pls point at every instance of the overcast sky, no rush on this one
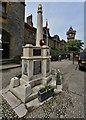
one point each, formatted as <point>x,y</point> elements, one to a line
<point>60,16</point>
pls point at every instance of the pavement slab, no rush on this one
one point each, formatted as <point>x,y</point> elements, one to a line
<point>21,111</point>
<point>11,99</point>
<point>33,104</point>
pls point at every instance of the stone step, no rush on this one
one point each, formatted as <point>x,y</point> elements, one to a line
<point>12,100</point>
<point>15,103</point>
<point>21,110</point>
<point>35,103</point>
<point>6,61</point>
<point>18,91</point>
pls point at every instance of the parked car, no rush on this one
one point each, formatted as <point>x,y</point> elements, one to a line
<point>82,60</point>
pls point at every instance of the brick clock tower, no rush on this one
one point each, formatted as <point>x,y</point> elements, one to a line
<point>71,34</point>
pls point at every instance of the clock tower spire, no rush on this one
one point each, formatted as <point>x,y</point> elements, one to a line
<point>71,34</point>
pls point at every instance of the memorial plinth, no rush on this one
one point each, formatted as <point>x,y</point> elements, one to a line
<point>35,62</point>
<point>36,70</point>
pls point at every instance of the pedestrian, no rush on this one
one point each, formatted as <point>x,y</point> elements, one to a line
<point>59,57</point>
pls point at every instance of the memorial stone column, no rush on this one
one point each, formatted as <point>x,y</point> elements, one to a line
<point>39,34</point>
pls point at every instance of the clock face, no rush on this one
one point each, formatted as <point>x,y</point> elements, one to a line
<point>70,35</point>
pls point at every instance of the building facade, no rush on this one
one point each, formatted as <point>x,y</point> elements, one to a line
<point>29,32</point>
<point>12,17</point>
<point>54,42</point>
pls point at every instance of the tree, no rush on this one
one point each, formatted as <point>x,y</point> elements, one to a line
<point>73,46</point>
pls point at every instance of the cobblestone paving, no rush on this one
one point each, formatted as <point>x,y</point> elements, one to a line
<point>54,108</point>
<point>6,111</point>
<point>0,107</point>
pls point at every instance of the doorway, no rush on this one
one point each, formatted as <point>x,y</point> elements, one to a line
<point>5,45</point>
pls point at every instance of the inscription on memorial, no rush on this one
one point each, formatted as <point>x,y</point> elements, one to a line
<point>25,69</point>
<point>36,52</point>
<point>36,67</point>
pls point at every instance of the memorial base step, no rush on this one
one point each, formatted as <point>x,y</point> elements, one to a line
<point>15,103</point>
<point>33,82</point>
<point>34,104</point>
<point>18,91</point>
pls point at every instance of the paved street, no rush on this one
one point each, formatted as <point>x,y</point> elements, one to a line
<point>7,74</point>
<point>69,103</point>
<point>73,85</point>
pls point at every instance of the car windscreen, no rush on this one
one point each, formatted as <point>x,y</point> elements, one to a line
<point>83,55</point>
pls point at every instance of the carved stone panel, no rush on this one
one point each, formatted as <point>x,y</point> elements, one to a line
<point>36,67</point>
<point>25,68</point>
<point>48,66</point>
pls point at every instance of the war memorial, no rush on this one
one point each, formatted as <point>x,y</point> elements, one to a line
<point>36,73</point>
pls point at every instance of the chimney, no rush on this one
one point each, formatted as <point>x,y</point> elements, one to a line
<point>29,20</point>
